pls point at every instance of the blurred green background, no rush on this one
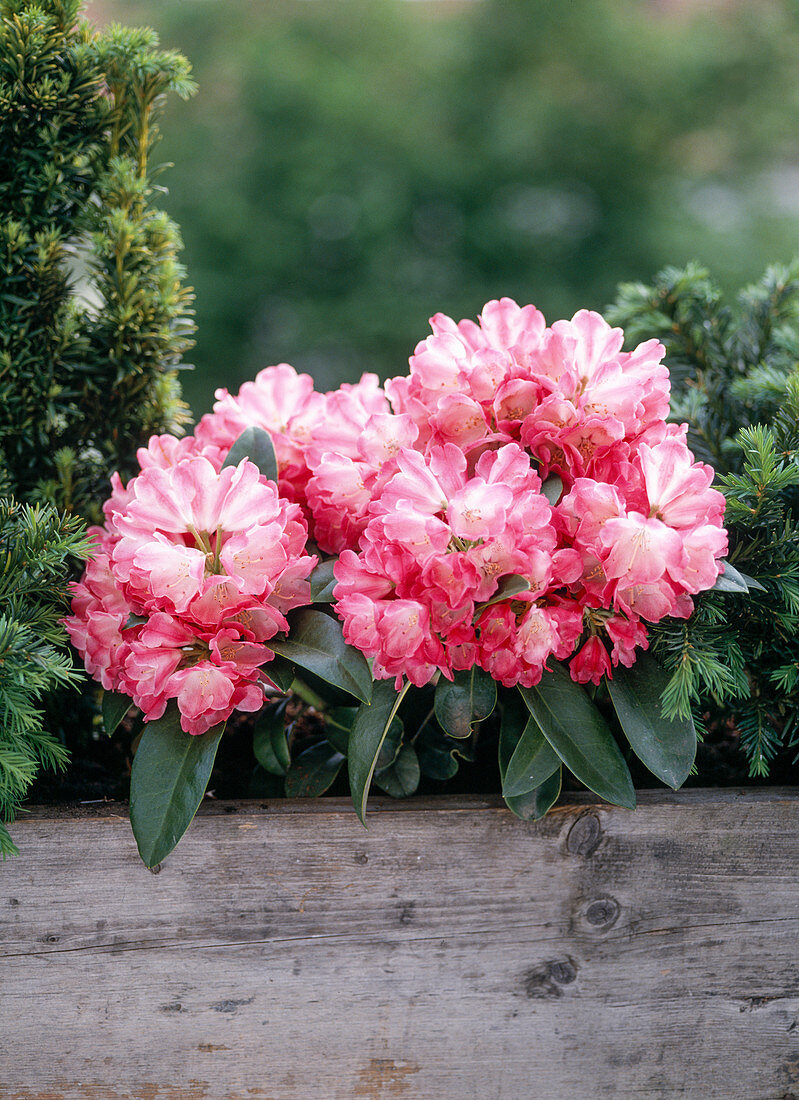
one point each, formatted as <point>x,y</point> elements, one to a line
<point>349,168</point>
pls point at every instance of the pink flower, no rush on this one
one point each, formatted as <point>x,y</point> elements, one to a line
<point>641,550</point>
<point>590,663</point>
<point>188,529</point>
<point>677,488</point>
<point>281,402</point>
<point>351,456</point>
<point>209,674</point>
<point>627,635</point>
<point>99,613</point>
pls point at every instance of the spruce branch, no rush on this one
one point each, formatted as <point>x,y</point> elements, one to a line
<point>736,386</point>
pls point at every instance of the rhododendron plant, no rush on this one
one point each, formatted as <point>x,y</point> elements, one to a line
<point>515,513</point>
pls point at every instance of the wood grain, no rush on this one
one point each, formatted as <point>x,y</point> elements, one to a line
<point>449,950</point>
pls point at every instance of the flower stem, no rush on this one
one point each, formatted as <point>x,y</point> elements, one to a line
<point>307,694</point>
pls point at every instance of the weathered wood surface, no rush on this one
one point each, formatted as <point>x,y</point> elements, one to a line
<point>284,952</point>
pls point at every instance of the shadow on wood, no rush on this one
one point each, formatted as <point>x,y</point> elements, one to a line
<point>449,950</point>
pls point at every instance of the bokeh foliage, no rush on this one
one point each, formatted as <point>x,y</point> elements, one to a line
<point>349,168</point>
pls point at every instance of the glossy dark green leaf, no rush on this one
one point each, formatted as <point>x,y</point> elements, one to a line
<point>280,672</point>
<point>666,746</point>
<point>256,445</point>
<point>401,778</point>
<point>115,706</point>
<point>536,804</point>
<point>515,717</point>
<point>533,804</point>
<point>552,488</point>
<point>170,772</point>
<point>751,583</point>
<point>135,620</point>
<point>315,642</point>
<point>580,736</point>
<point>733,581</point>
<point>339,739</point>
<point>313,771</point>
<point>533,761</point>
<point>264,784</point>
<point>323,582</point>
<point>269,740</point>
<point>342,718</point>
<point>468,698</point>
<point>436,763</point>
<point>464,749</point>
<point>366,739</point>
<point>338,723</point>
<point>508,587</point>
<point>390,748</point>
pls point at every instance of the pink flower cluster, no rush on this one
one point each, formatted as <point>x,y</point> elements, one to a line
<point>452,550</point>
<point>192,574</point>
<point>636,532</point>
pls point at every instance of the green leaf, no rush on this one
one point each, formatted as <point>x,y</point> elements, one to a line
<point>264,784</point>
<point>342,718</point>
<point>533,761</point>
<point>580,736</point>
<point>269,740</point>
<point>465,750</point>
<point>667,746</point>
<point>170,772</point>
<point>366,739</point>
<point>315,642</point>
<point>390,748</point>
<point>256,445</point>
<point>552,488</point>
<point>751,583</point>
<point>509,586</point>
<point>280,672</point>
<point>115,706</point>
<point>469,697</point>
<point>339,739</point>
<point>437,763</point>
<point>515,717</point>
<point>135,620</point>
<point>338,723</point>
<point>323,582</point>
<point>534,803</point>
<point>731,580</point>
<point>313,771</point>
<point>401,778</point>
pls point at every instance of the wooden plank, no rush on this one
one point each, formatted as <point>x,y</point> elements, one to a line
<point>448,951</point>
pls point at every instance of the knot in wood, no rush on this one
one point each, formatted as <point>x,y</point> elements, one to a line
<point>584,836</point>
<point>545,981</point>
<point>563,971</point>
<point>603,913</point>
